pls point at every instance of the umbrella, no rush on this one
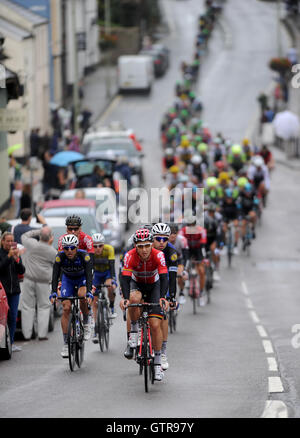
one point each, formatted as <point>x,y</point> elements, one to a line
<point>14,148</point>
<point>64,158</point>
<point>286,125</point>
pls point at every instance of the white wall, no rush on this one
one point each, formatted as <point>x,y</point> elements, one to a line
<point>86,11</point>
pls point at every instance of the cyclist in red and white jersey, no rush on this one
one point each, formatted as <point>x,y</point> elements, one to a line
<point>196,239</point>
<point>73,224</point>
<point>145,278</point>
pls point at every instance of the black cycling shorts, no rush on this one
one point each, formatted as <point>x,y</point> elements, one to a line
<point>150,294</point>
<point>196,253</point>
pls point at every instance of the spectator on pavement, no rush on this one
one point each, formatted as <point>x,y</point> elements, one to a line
<point>80,194</point>
<point>15,172</point>
<point>39,260</point>
<point>16,198</point>
<point>23,227</point>
<point>25,200</point>
<point>11,268</point>
<point>4,226</point>
<point>35,142</point>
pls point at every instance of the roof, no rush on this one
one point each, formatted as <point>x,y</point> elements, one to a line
<point>27,14</point>
<point>13,31</point>
<point>69,203</point>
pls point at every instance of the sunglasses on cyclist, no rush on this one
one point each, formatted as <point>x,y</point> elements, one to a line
<point>73,228</point>
<point>161,239</point>
<point>68,248</point>
<point>100,245</point>
<point>143,245</point>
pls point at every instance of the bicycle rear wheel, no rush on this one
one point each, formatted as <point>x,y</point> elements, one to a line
<point>72,342</point>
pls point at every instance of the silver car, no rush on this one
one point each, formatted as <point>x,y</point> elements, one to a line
<point>107,214</point>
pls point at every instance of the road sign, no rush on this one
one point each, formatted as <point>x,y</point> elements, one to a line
<point>13,120</point>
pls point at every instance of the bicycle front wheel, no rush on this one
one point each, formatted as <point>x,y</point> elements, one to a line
<point>106,326</point>
<point>72,342</point>
<point>79,343</point>
<point>145,357</point>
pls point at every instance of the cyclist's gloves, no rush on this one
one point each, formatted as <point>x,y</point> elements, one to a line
<point>53,296</point>
<point>89,295</point>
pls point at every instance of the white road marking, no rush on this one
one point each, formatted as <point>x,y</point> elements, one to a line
<point>272,364</point>
<point>275,409</point>
<point>261,331</point>
<point>254,316</point>
<point>114,103</point>
<point>268,347</point>
<point>249,303</point>
<point>275,384</point>
<point>245,289</point>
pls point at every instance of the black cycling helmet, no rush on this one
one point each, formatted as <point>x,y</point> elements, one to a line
<point>73,220</point>
<point>174,228</point>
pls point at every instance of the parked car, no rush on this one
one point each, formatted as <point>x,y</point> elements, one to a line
<point>85,171</point>
<point>165,51</point>
<point>135,72</point>
<point>160,62</point>
<point>115,129</point>
<point>111,228</point>
<point>5,344</point>
<point>57,223</point>
<point>104,144</point>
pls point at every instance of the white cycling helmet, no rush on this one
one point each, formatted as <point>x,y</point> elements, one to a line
<point>258,161</point>
<point>70,240</point>
<point>98,238</point>
<point>196,159</point>
<point>161,229</point>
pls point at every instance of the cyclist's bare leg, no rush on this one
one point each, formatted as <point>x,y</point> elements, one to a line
<point>156,333</point>
<point>237,233</point>
<point>83,303</point>
<point>66,304</point>
<point>215,257</point>
<point>201,273</point>
<point>134,298</point>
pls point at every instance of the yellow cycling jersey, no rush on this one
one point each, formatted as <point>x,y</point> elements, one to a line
<point>101,262</point>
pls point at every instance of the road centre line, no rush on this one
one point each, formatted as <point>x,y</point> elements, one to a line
<point>262,332</point>
<point>115,102</point>
<point>272,364</point>
<point>245,289</point>
<point>254,316</point>
<point>275,384</point>
<point>249,303</point>
<point>275,409</point>
<point>268,346</point>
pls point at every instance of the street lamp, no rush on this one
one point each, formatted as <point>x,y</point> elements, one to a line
<point>75,84</point>
<point>107,19</point>
<point>279,46</point>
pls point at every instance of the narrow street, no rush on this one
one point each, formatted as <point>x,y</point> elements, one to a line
<point>220,364</point>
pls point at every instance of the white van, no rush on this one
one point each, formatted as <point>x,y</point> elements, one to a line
<point>135,72</point>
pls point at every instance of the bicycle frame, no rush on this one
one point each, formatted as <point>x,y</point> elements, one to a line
<point>103,321</point>
<point>144,353</point>
<point>75,332</point>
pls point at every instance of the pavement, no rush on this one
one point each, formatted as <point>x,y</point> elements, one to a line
<point>292,26</point>
<point>99,89</point>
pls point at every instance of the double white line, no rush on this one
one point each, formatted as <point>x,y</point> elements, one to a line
<point>273,408</point>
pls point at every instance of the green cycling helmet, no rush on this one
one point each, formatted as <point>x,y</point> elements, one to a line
<point>242,182</point>
<point>236,149</point>
<point>202,147</point>
<point>211,181</point>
